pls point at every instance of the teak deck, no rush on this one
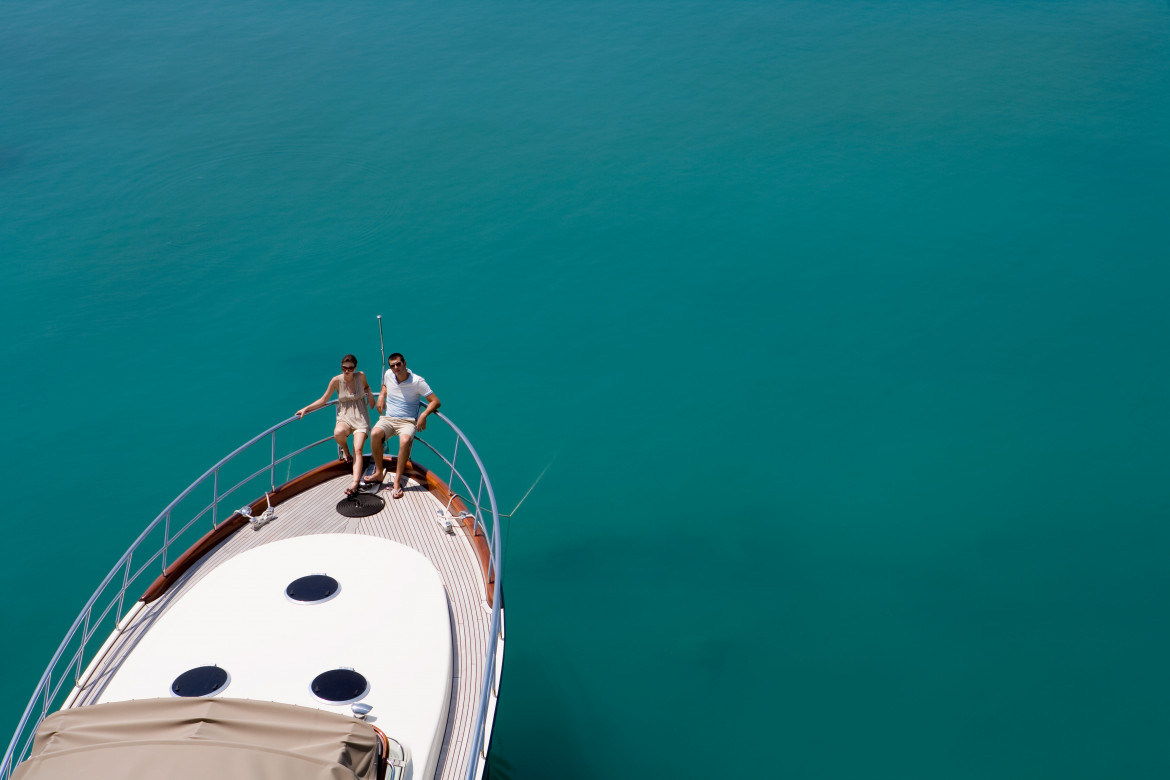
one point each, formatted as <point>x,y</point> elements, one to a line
<point>412,521</point>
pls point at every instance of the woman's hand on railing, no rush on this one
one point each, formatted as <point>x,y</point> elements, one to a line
<point>312,408</point>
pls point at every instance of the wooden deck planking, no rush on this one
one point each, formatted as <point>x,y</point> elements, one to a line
<point>411,521</point>
<point>470,624</point>
<point>452,553</point>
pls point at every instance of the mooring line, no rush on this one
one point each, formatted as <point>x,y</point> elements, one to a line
<point>542,473</point>
<point>508,534</point>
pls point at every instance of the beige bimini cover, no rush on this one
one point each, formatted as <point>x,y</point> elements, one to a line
<point>197,739</point>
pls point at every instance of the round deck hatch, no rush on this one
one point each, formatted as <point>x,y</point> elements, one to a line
<point>200,681</point>
<point>360,505</point>
<point>312,589</point>
<point>340,686</point>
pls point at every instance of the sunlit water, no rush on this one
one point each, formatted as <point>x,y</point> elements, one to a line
<point>844,321</point>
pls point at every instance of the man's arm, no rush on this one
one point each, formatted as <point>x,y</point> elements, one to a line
<point>382,400</point>
<point>432,405</point>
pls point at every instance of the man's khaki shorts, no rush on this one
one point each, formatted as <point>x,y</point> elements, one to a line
<point>395,426</point>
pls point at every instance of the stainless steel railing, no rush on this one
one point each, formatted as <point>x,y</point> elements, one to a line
<point>110,595</point>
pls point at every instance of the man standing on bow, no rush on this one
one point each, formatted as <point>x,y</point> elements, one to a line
<point>398,403</point>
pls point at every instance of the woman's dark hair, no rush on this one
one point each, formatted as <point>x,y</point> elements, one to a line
<point>349,358</point>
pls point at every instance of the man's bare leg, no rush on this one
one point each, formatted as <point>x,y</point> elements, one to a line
<point>377,447</point>
<point>404,445</point>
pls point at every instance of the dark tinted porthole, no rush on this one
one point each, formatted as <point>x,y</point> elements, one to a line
<point>200,681</point>
<point>312,589</point>
<point>340,686</point>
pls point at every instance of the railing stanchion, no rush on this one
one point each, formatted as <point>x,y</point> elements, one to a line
<point>81,649</point>
<point>478,496</point>
<point>454,455</point>
<point>166,540</point>
<point>122,592</point>
<point>215,499</point>
<point>272,466</point>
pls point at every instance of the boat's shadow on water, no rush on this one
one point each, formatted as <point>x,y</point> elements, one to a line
<point>540,729</point>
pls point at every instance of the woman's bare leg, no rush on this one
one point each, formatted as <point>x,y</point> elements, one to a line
<point>359,441</point>
<point>341,436</point>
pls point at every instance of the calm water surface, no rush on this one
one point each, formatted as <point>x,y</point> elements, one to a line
<point>844,321</point>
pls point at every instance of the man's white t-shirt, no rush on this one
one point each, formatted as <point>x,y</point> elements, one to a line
<point>403,398</point>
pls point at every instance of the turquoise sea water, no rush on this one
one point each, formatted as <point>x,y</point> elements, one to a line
<point>845,321</point>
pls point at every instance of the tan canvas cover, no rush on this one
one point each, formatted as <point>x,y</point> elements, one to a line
<point>197,739</point>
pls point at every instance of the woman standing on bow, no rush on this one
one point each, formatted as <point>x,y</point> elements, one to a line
<point>353,416</point>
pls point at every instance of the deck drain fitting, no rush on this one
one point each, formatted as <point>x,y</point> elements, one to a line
<point>339,686</point>
<point>360,505</point>
<point>200,681</point>
<point>313,589</point>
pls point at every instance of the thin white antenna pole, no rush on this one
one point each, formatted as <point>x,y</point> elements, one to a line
<point>381,344</point>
